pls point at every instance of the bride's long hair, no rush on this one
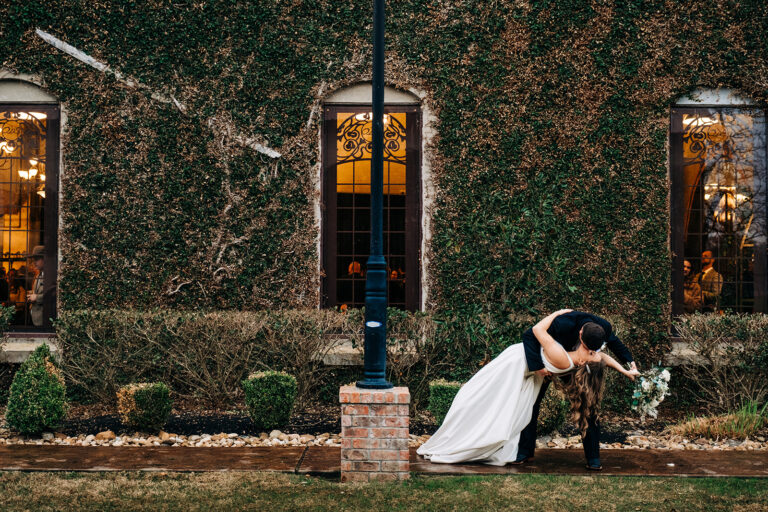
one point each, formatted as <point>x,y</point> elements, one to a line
<point>584,390</point>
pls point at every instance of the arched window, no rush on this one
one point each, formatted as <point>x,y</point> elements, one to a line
<point>345,244</point>
<point>718,203</point>
<point>29,176</point>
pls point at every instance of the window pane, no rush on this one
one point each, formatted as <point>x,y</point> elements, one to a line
<point>353,189</point>
<point>722,179</point>
<point>22,197</point>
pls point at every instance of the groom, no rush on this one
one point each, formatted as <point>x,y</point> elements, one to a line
<point>569,329</point>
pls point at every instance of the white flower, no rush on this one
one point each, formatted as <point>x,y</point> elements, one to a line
<point>650,391</point>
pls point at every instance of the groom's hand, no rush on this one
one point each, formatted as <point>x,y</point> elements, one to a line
<point>544,372</point>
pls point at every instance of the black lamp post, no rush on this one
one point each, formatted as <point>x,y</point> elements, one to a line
<point>374,372</point>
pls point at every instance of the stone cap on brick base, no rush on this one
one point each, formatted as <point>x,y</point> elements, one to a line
<point>355,395</point>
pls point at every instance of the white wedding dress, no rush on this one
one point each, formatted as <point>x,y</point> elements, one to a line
<point>489,412</point>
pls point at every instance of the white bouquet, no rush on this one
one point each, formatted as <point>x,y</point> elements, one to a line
<point>650,390</point>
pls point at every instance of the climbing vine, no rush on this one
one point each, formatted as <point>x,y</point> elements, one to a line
<point>549,160</point>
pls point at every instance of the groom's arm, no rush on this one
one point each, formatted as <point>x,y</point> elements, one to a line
<point>613,342</point>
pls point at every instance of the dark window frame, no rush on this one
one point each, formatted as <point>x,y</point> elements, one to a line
<point>51,213</point>
<point>329,222</point>
<point>678,211</point>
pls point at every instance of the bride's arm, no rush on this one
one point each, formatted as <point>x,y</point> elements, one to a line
<point>609,361</point>
<point>540,329</point>
<point>554,352</point>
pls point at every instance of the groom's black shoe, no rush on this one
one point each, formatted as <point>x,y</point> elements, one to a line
<point>594,465</point>
<point>522,459</point>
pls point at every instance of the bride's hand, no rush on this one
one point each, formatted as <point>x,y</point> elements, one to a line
<point>561,312</point>
<point>632,373</point>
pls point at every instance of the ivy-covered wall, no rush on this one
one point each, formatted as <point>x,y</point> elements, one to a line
<point>550,159</point>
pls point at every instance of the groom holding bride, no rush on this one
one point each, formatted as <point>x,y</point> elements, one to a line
<point>493,417</point>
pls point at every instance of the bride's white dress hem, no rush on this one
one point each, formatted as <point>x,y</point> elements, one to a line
<point>489,412</point>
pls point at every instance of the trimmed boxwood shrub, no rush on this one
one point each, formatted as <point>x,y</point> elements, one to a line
<point>144,406</point>
<point>37,399</point>
<point>441,395</point>
<point>553,412</point>
<point>269,397</point>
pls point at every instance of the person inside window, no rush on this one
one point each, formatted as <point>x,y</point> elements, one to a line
<point>692,291</point>
<point>35,298</point>
<point>710,281</point>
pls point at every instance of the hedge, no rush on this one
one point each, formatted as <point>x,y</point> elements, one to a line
<point>205,356</point>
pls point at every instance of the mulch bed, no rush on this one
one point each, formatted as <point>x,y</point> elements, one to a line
<point>315,421</point>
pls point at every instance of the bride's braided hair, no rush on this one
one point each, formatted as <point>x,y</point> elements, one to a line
<point>584,390</point>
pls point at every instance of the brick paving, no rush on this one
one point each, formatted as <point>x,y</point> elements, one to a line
<point>322,460</point>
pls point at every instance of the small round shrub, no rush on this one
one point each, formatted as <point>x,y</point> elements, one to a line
<point>37,398</point>
<point>441,395</point>
<point>144,406</point>
<point>269,397</point>
<point>553,412</point>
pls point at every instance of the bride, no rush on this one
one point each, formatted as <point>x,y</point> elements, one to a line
<point>489,412</point>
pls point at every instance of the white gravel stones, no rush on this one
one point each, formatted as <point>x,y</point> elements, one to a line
<point>222,440</point>
<point>636,439</point>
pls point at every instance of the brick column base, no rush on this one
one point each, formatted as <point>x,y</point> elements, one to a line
<point>374,434</point>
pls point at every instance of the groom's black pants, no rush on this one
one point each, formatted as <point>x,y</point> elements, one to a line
<point>527,444</point>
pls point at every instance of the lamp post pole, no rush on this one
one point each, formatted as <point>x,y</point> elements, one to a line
<point>375,356</point>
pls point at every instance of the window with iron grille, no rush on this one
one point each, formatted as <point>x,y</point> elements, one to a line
<point>718,209</point>
<point>346,199</point>
<point>29,140</point>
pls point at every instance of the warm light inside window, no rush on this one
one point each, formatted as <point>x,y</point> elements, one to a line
<point>22,198</point>
<point>722,178</point>
<point>353,173</point>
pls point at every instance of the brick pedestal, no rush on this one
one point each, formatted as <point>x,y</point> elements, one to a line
<point>374,434</point>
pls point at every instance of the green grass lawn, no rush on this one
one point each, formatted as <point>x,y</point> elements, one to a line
<point>274,492</point>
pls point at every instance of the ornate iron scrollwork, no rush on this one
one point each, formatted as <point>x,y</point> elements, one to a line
<point>22,159</point>
<point>354,136</point>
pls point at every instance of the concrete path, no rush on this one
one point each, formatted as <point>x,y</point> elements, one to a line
<point>325,461</point>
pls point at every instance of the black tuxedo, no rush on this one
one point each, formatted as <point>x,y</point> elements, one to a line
<point>565,330</point>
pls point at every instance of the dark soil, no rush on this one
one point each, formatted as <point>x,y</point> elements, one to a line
<point>187,424</point>
<point>191,423</point>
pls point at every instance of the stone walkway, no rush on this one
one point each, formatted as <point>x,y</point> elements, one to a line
<point>325,460</point>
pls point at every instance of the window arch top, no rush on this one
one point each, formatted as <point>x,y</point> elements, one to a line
<point>20,91</point>
<point>719,97</point>
<point>361,94</point>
